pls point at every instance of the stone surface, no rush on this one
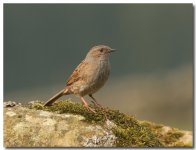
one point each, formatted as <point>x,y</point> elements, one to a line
<point>27,127</point>
<point>24,127</point>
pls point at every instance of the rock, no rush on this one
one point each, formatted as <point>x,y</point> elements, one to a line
<point>171,137</point>
<point>26,127</point>
<point>10,104</point>
<point>68,124</point>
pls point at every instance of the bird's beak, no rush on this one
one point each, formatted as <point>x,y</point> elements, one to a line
<point>112,50</point>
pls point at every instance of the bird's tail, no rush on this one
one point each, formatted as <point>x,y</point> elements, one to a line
<point>56,96</point>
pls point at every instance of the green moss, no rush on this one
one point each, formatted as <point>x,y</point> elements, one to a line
<point>36,105</point>
<point>170,138</point>
<point>129,132</point>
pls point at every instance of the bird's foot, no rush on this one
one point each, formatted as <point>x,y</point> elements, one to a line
<point>90,109</point>
<point>97,104</point>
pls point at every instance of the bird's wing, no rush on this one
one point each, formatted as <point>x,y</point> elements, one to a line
<point>77,73</point>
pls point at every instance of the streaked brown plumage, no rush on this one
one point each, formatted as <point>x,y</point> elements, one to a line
<point>89,76</point>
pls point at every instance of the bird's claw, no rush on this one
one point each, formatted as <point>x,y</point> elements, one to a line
<point>97,104</point>
<point>90,109</point>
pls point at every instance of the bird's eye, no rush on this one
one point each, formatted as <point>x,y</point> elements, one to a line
<point>101,50</point>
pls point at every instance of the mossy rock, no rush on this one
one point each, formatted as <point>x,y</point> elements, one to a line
<point>129,132</point>
<point>170,137</point>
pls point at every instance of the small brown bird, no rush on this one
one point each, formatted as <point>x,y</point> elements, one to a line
<point>88,77</point>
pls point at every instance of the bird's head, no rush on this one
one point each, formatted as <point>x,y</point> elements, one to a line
<point>100,51</point>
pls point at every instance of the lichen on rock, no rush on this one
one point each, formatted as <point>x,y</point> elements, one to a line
<point>69,124</point>
<point>25,127</point>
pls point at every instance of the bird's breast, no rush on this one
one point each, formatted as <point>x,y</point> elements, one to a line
<point>100,74</point>
<point>93,78</point>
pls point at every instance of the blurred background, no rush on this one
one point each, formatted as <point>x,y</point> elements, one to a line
<point>152,71</point>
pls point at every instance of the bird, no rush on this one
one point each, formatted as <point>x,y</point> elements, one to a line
<point>88,77</point>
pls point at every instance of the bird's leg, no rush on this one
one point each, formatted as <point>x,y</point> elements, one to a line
<point>95,101</point>
<point>86,104</point>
